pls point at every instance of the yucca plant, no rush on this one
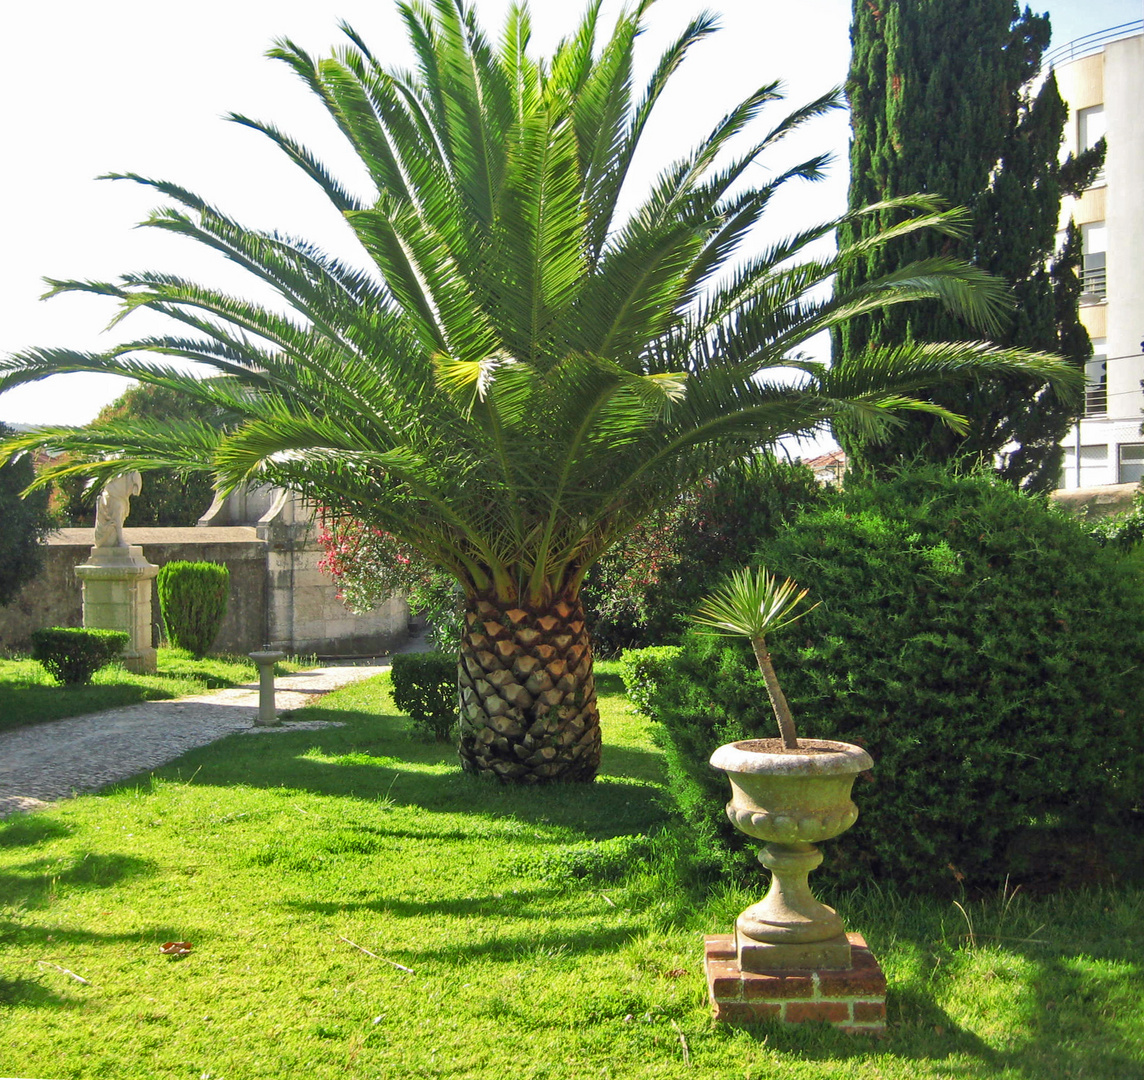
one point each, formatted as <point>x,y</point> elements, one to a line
<point>752,604</point>
<point>513,373</point>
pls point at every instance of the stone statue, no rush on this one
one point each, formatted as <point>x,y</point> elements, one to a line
<point>112,508</point>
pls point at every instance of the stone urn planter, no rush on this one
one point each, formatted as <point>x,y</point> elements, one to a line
<point>790,958</point>
<point>792,799</point>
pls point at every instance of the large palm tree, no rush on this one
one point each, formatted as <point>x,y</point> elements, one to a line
<point>517,373</point>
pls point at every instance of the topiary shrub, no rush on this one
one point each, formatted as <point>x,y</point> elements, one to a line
<point>425,688</point>
<point>72,655</point>
<point>642,671</point>
<point>973,639</point>
<point>192,600</point>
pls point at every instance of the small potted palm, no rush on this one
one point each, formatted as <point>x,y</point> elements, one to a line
<point>790,792</point>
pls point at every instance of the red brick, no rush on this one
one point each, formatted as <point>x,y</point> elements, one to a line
<point>833,1012</point>
<point>720,946</point>
<point>863,979</point>
<point>724,980</point>
<point>869,1010</point>
<point>776,987</point>
<point>735,1012</point>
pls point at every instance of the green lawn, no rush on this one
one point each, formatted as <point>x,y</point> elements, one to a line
<point>28,695</point>
<point>309,870</point>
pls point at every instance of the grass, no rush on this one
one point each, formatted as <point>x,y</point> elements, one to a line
<point>359,908</point>
<point>28,694</point>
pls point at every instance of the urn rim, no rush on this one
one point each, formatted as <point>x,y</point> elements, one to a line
<point>827,758</point>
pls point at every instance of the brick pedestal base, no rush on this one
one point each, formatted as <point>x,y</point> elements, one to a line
<point>853,1000</point>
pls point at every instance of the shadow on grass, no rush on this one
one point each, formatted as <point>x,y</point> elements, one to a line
<point>27,831</point>
<point>53,944</point>
<point>1076,1014</point>
<point>34,883</point>
<point>29,993</point>
<point>373,758</point>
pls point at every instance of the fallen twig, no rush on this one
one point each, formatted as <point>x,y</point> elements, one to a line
<point>78,978</point>
<point>683,1043</point>
<point>610,901</point>
<point>375,956</point>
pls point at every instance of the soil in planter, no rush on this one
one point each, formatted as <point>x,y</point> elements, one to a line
<point>775,746</point>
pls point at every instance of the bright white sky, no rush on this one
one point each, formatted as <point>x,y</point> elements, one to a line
<point>141,86</point>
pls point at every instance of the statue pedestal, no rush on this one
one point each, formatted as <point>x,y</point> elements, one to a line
<point>117,596</point>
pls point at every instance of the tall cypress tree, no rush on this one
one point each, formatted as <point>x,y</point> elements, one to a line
<point>941,103</point>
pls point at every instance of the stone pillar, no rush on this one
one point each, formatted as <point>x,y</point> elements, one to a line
<point>117,596</point>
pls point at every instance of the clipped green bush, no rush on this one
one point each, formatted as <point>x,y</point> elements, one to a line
<point>425,689</point>
<point>973,639</point>
<point>192,599</point>
<point>72,655</point>
<point>642,670</point>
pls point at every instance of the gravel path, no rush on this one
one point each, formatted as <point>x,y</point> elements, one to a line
<point>57,760</point>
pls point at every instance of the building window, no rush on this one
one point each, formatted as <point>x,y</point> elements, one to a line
<point>1090,129</point>
<point>1131,470</point>
<point>1093,467</point>
<point>1094,276</point>
<point>1096,380</point>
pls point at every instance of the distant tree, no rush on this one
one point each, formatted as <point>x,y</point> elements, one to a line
<point>942,102</point>
<point>23,525</point>
<point>169,498</point>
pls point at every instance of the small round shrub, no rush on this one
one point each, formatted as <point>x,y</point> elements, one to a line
<point>72,655</point>
<point>192,599</point>
<point>425,689</point>
<point>973,639</point>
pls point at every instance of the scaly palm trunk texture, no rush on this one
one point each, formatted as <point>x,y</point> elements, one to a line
<point>528,695</point>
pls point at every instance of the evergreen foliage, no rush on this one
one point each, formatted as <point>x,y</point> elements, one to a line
<point>973,639</point>
<point>26,522</point>
<point>941,102</point>
<point>169,497</point>
<point>72,655</point>
<point>193,599</point>
<point>425,689</point>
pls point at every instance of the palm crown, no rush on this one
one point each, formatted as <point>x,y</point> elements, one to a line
<point>516,374</point>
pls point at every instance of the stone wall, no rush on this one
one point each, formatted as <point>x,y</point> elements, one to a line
<point>1097,502</point>
<point>278,596</point>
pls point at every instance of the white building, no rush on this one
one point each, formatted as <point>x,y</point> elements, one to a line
<point>1101,76</point>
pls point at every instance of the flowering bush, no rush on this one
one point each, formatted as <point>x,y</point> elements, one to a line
<point>371,565</point>
<point>643,591</point>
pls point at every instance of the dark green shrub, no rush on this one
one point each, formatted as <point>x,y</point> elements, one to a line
<point>1124,531</point>
<point>72,655</point>
<point>973,639</point>
<point>425,689</point>
<point>642,671</point>
<point>192,599</point>
<point>644,589</point>
<point>26,523</point>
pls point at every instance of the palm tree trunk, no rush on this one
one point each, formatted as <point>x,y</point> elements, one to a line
<point>528,695</point>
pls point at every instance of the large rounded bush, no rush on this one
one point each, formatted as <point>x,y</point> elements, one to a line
<point>976,641</point>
